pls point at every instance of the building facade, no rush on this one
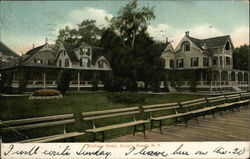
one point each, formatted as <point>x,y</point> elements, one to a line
<point>214,54</point>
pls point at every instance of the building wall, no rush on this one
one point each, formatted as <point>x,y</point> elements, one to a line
<point>63,57</point>
<point>194,52</point>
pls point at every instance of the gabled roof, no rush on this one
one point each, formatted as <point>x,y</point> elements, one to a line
<point>97,52</point>
<point>210,42</point>
<point>69,49</point>
<point>32,52</point>
<point>216,41</point>
<point>6,50</point>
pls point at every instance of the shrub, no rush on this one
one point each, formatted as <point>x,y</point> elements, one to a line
<point>63,81</point>
<point>125,97</point>
<point>165,83</point>
<point>45,94</point>
<point>22,81</point>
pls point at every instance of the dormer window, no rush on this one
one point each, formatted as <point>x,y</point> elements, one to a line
<point>227,47</point>
<point>204,46</point>
<point>186,46</point>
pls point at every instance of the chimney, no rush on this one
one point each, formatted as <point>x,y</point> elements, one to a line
<point>166,40</point>
<point>33,46</point>
<point>187,33</point>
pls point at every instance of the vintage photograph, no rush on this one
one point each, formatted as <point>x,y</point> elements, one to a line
<point>124,71</point>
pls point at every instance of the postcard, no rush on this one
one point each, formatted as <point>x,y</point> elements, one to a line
<point>124,79</point>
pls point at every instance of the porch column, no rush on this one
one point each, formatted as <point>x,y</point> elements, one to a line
<point>220,77</point>
<point>229,76</point>
<point>78,80</point>
<point>44,80</point>
<point>201,78</point>
<point>236,78</point>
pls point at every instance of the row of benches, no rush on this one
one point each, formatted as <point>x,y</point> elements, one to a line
<point>157,114</point>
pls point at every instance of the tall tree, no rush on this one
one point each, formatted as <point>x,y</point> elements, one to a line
<point>87,32</point>
<point>131,21</point>
<point>241,57</point>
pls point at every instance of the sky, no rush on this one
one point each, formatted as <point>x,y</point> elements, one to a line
<point>24,23</point>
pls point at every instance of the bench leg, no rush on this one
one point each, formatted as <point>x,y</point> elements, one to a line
<point>161,126</point>
<point>176,121</point>
<point>94,137</point>
<point>186,120</point>
<point>197,122</point>
<point>103,136</point>
<point>144,131</point>
<point>134,130</point>
<point>213,114</point>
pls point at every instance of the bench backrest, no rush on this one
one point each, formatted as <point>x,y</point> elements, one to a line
<point>30,123</point>
<point>233,97</point>
<point>215,100</point>
<point>245,95</point>
<point>160,107</point>
<point>192,103</point>
<point>111,113</point>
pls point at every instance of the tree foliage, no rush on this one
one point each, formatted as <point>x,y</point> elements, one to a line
<point>129,47</point>
<point>63,81</point>
<point>241,57</point>
<point>87,32</point>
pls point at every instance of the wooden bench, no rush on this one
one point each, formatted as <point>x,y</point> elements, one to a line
<point>98,117</point>
<point>244,99</point>
<point>21,125</point>
<point>232,99</point>
<point>195,108</point>
<point>219,102</point>
<point>153,110</point>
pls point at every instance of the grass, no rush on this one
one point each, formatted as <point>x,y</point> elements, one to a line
<point>22,107</point>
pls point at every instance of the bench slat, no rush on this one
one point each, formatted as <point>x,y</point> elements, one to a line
<point>53,137</point>
<point>193,101</point>
<point>37,119</point>
<point>40,125</point>
<point>160,105</point>
<point>193,104</point>
<point>217,97</point>
<point>117,126</point>
<point>111,115</point>
<point>158,109</point>
<point>109,111</point>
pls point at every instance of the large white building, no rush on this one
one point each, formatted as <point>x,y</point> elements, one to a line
<point>214,54</point>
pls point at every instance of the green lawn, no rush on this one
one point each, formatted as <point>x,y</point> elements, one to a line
<point>22,107</point>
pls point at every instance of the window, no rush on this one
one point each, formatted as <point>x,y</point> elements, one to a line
<point>101,63</point>
<point>180,63</point>
<point>227,60</point>
<point>34,60</point>
<point>60,63</point>
<point>66,62</point>
<point>50,62</point>
<point>221,60</point>
<point>40,61</point>
<point>186,46</point>
<point>171,63</point>
<point>194,62</point>
<point>205,62</point>
<point>85,62</point>
<point>227,47</point>
<point>215,60</point>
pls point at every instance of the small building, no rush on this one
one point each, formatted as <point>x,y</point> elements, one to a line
<point>8,57</point>
<point>41,55</point>
<point>214,55</point>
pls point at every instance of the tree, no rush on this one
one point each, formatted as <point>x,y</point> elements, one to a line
<point>87,32</point>
<point>240,57</point>
<point>129,46</point>
<point>22,80</point>
<point>131,21</point>
<point>63,81</point>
